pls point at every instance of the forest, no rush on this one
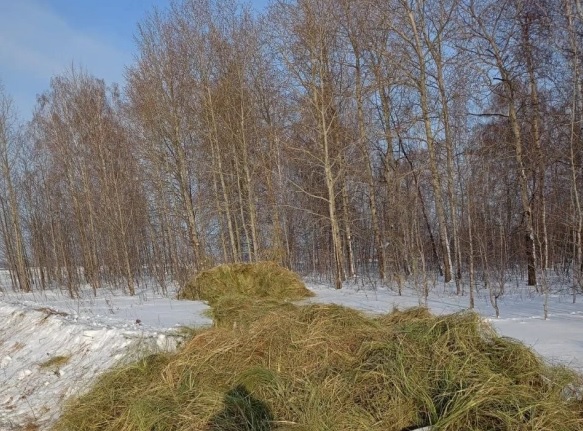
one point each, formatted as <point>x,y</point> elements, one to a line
<point>398,140</point>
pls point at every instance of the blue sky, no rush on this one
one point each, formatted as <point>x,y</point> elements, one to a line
<point>42,38</point>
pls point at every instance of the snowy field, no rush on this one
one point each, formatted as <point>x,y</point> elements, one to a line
<point>52,347</point>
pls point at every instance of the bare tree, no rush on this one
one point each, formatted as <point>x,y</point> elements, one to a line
<point>414,18</point>
<point>493,31</point>
<point>11,217</point>
<point>160,91</point>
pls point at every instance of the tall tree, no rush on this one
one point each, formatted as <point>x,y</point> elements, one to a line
<point>11,216</point>
<point>494,29</point>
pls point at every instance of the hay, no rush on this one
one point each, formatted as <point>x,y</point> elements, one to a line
<point>238,310</point>
<point>257,280</point>
<point>326,367</point>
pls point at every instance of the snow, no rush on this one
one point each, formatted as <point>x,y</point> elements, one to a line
<point>95,333</point>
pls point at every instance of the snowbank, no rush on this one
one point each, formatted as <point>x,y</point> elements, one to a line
<point>85,337</point>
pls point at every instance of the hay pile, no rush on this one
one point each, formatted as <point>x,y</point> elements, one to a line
<point>257,280</point>
<point>325,367</point>
<point>241,293</point>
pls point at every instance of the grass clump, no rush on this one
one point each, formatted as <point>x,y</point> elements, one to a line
<point>241,293</point>
<point>325,367</point>
<point>123,399</point>
<point>238,310</point>
<point>55,361</point>
<point>262,280</point>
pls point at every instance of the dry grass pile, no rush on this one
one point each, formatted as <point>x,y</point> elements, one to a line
<point>258,280</point>
<point>241,293</point>
<point>325,367</point>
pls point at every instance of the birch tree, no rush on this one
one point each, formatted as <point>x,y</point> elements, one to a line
<point>12,230</point>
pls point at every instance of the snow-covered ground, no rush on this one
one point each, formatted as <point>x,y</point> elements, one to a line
<point>92,334</point>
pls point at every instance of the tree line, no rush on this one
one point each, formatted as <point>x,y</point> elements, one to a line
<point>395,139</point>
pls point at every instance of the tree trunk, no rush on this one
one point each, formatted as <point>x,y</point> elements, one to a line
<point>321,104</point>
<point>248,186</point>
<point>435,178</point>
<point>347,231</point>
<point>523,184</point>
<point>380,250</point>
<point>449,146</point>
<point>471,250</point>
<point>574,144</point>
<point>540,159</point>
<point>216,156</point>
<point>188,206</point>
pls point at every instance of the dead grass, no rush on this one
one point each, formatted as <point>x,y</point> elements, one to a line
<point>17,346</point>
<point>325,367</point>
<point>47,311</point>
<point>258,280</point>
<point>55,362</point>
